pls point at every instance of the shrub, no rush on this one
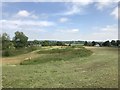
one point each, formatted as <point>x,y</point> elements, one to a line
<point>7,53</point>
<point>14,52</point>
<point>32,48</point>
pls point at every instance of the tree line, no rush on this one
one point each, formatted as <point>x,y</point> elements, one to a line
<point>113,43</point>
<point>20,40</point>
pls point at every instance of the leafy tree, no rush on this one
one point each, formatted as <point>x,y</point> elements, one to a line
<point>118,42</point>
<point>58,43</point>
<point>113,43</point>
<point>45,43</point>
<point>93,43</point>
<point>20,39</point>
<point>6,44</point>
<point>36,42</point>
<point>106,43</point>
<point>100,43</point>
<point>86,43</point>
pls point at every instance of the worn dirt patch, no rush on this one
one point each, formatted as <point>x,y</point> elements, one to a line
<point>19,58</point>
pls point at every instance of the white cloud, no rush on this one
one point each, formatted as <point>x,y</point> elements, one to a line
<point>109,28</point>
<point>34,16</point>
<point>38,23</point>
<point>46,0</point>
<point>74,7</point>
<point>102,4</point>
<point>14,23</point>
<point>116,12</point>
<point>75,30</point>
<point>23,13</point>
<point>109,32</point>
<point>68,30</point>
<point>78,6</point>
<point>33,29</point>
<point>82,2</point>
<point>30,28</point>
<point>63,19</point>
<point>63,34</point>
<point>85,1</point>
<point>108,4</point>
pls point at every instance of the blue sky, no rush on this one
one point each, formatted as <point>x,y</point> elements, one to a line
<point>61,20</point>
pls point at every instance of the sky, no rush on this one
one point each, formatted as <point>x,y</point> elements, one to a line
<point>89,21</point>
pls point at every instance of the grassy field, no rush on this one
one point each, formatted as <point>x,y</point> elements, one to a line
<point>97,70</point>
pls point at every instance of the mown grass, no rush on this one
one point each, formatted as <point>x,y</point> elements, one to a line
<point>58,55</point>
<point>100,70</point>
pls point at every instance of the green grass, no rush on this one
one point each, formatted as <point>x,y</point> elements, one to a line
<point>100,70</point>
<point>65,54</point>
<point>15,52</point>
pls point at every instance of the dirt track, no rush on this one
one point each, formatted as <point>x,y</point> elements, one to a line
<point>19,58</point>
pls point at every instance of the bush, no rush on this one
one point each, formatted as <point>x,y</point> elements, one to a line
<point>7,53</point>
<point>14,52</point>
<point>32,48</point>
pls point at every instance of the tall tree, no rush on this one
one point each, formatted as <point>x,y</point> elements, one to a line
<point>113,43</point>
<point>93,43</point>
<point>86,43</point>
<point>6,41</point>
<point>20,39</point>
<point>118,42</point>
<point>45,43</point>
<point>58,43</point>
<point>106,43</point>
